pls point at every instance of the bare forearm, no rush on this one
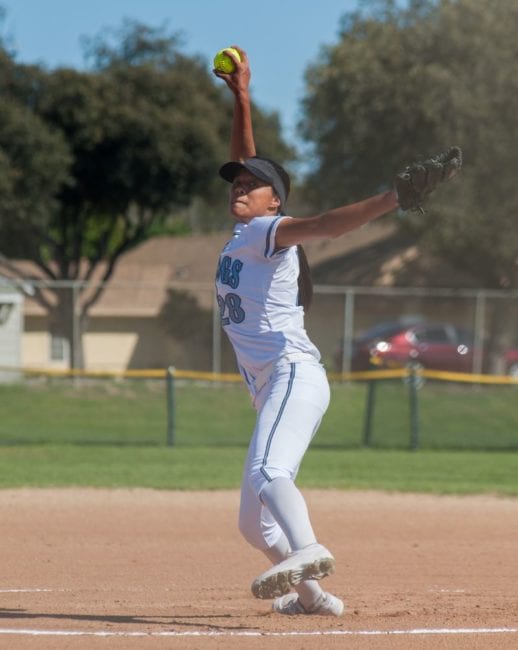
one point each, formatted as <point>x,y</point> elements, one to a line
<point>242,144</point>
<point>341,220</point>
<point>334,223</point>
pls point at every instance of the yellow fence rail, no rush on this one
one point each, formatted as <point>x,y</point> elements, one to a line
<point>414,377</point>
<point>368,375</point>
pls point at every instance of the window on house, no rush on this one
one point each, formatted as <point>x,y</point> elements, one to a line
<point>5,310</point>
<point>59,348</point>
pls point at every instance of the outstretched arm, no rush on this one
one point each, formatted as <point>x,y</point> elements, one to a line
<point>242,144</point>
<point>412,187</point>
<point>334,223</point>
<point>290,232</point>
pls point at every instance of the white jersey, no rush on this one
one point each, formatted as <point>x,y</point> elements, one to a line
<point>257,294</point>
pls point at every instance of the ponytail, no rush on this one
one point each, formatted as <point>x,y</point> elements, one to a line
<point>304,280</point>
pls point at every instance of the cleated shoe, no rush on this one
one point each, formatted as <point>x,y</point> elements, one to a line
<point>310,563</point>
<point>290,605</point>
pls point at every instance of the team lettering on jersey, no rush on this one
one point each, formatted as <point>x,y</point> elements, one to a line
<point>230,305</point>
<point>228,271</point>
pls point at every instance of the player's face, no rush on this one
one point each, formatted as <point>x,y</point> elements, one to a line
<point>251,197</point>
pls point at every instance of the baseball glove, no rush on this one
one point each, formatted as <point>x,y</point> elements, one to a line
<point>418,180</point>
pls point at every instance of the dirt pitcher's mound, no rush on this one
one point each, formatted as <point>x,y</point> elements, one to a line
<point>155,569</point>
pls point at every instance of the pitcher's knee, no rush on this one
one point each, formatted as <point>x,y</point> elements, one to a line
<point>264,475</point>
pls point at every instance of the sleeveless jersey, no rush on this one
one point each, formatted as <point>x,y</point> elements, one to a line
<point>257,294</point>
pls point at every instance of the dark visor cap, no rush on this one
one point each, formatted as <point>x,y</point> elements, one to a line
<point>267,170</point>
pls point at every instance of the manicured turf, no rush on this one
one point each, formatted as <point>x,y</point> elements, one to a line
<point>443,472</point>
<point>113,434</point>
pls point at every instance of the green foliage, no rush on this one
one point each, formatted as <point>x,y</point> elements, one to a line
<point>409,81</point>
<point>34,162</point>
<point>128,144</point>
<point>132,44</point>
<point>92,163</point>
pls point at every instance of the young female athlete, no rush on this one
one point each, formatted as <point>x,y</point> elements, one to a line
<point>258,293</point>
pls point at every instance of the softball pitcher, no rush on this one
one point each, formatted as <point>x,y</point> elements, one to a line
<point>261,285</point>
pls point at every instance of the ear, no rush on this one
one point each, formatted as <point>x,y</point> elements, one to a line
<point>275,203</point>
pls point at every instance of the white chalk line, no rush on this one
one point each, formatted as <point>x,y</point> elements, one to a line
<point>26,591</point>
<point>254,633</point>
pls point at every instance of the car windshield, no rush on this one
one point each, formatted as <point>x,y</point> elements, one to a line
<point>381,331</point>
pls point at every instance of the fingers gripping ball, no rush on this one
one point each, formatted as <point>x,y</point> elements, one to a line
<point>418,180</point>
<point>223,62</point>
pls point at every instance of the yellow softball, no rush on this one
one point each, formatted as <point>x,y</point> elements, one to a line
<point>223,62</point>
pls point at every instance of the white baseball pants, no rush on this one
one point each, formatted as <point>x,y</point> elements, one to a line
<point>290,406</point>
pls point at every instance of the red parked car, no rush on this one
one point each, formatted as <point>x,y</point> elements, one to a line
<point>437,346</point>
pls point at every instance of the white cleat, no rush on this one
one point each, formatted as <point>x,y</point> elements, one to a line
<point>310,563</point>
<point>290,605</point>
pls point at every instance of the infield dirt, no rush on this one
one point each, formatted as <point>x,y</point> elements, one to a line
<point>87,569</point>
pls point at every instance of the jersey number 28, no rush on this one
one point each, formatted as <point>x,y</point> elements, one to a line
<point>230,309</point>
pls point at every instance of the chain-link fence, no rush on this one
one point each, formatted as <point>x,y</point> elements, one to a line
<point>141,325</point>
<point>193,409</point>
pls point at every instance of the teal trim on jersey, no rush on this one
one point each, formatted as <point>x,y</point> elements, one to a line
<point>268,237</point>
<point>276,423</point>
<point>245,376</point>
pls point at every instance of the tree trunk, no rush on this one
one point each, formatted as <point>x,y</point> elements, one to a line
<point>66,325</point>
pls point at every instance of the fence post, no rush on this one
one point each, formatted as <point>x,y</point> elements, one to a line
<point>76,331</point>
<point>348,330</point>
<point>170,406</point>
<point>369,412</point>
<point>414,411</point>
<point>478,334</point>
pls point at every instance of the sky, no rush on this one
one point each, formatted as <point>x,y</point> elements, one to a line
<point>281,37</point>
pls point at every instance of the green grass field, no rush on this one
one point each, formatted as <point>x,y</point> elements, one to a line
<point>441,472</point>
<point>113,434</point>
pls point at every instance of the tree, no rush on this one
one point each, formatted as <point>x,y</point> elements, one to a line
<point>96,162</point>
<point>34,164</point>
<point>408,81</point>
<point>137,46</point>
